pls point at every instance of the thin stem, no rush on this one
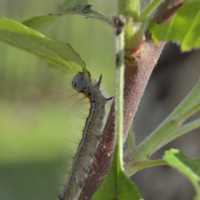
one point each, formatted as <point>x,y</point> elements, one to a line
<point>131,139</point>
<point>185,109</point>
<point>149,10</point>
<point>182,130</point>
<point>119,87</point>
<point>131,169</point>
<point>152,142</point>
<point>190,112</point>
<point>196,186</point>
<point>190,100</point>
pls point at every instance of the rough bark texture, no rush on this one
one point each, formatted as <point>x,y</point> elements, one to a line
<point>136,78</point>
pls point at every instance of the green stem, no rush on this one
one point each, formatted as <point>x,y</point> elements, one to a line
<point>146,14</point>
<point>131,139</point>
<point>190,100</point>
<point>129,8</point>
<point>131,142</point>
<point>131,169</point>
<point>190,112</point>
<point>197,188</point>
<point>149,10</point>
<point>182,130</point>
<point>154,141</point>
<point>119,88</point>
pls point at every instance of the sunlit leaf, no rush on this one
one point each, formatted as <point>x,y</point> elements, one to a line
<point>184,28</point>
<point>57,53</point>
<point>189,168</point>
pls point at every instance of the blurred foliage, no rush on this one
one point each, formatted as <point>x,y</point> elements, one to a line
<point>32,133</point>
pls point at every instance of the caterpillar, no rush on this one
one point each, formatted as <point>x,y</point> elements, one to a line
<point>91,136</point>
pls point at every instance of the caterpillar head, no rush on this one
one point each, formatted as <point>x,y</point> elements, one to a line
<point>80,82</point>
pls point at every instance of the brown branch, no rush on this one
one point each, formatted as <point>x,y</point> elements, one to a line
<point>137,74</point>
<point>167,10</point>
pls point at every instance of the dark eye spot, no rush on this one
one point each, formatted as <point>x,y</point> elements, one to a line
<point>75,84</point>
<point>89,93</point>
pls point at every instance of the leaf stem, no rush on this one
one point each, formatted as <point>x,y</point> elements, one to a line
<point>132,168</point>
<point>190,100</point>
<point>182,130</point>
<point>190,112</point>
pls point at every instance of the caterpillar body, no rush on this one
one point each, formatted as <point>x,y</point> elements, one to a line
<point>91,136</point>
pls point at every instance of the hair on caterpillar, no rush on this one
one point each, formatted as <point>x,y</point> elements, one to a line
<point>67,131</point>
<point>91,135</point>
<point>72,108</point>
<point>75,112</point>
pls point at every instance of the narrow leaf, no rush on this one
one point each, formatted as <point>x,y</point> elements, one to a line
<point>183,28</point>
<point>57,53</point>
<point>40,23</point>
<point>80,7</point>
<point>184,165</point>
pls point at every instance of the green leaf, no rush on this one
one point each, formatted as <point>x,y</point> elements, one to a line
<point>54,52</point>
<point>117,186</point>
<point>80,7</point>
<point>183,28</point>
<point>197,160</point>
<point>127,189</point>
<point>40,23</point>
<point>184,165</point>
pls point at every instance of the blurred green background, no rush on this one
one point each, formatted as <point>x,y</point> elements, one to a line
<point>40,126</point>
<point>34,127</point>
